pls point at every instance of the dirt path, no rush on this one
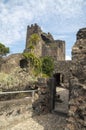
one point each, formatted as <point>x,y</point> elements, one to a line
<point>30,121</point>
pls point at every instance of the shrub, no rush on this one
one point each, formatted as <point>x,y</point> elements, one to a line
<point>33,61</point>
<point>47,65</point>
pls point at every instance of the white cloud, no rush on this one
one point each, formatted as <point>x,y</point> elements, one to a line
<point>55,15</point>
<point>68,57</point>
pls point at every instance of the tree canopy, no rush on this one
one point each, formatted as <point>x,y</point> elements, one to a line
<point>3,50</point>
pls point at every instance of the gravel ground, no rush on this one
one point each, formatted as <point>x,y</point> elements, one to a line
<point>29,122</point>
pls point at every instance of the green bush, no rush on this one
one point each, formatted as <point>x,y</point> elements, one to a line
<point>44,65</point>
<point>34,62</point>
<point>47,65</point>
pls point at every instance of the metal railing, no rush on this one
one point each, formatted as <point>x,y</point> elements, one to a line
<point>27,91</point>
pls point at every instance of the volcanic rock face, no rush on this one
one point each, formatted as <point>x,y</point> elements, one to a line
<point>77,103</point>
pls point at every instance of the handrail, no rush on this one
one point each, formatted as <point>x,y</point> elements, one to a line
<point>18,92</point>
<point>33,93</point>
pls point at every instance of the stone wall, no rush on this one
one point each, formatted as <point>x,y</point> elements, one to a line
<point>55,49</point>
<point>77,102</point>
<point>41,105</point>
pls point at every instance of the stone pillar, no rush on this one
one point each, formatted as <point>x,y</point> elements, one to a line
<point>42,104</point>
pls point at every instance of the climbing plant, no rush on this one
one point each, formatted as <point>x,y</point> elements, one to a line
<point>34,39</point>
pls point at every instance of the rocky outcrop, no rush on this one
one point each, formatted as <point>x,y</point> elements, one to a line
<point>11,62</point>
<point>15,73</point>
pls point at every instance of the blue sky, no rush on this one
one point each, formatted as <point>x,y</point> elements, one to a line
<point>62,18</point>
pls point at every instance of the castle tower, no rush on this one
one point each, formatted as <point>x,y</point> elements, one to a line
<point>31,30</point>
<point>46,46</point>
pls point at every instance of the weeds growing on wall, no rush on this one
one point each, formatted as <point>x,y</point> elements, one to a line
<point>44,65</point>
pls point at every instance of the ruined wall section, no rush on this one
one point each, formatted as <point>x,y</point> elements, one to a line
<point>55,49</point>
<point>77,103</point>
<point>60,50</point>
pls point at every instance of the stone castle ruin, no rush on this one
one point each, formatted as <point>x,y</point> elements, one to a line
<point>70,75</point>
<point>46,46</point>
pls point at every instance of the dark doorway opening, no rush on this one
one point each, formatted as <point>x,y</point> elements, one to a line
<point>23,63</point>
<point>57,78</point>
<point>60,94</point>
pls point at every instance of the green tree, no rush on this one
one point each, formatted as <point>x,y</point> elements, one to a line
<point>3,50</point>
<point>47,65</point>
